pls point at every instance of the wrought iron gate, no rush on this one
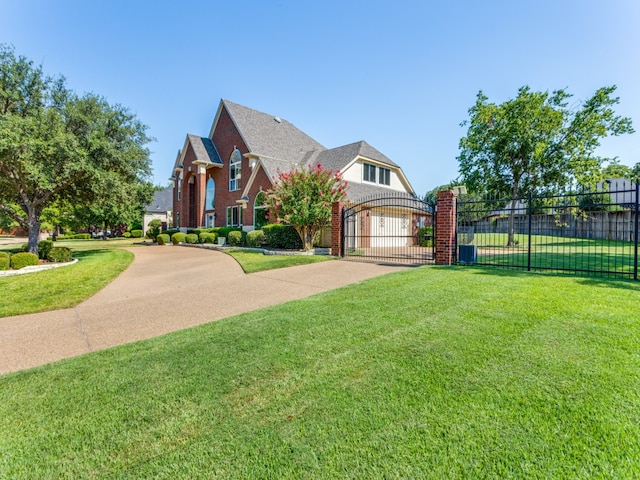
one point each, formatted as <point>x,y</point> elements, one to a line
<point>389,228</point>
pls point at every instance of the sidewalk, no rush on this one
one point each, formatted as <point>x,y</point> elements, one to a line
<point>164,290</point>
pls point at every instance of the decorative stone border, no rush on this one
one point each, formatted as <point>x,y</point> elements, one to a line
<point>36,268</point>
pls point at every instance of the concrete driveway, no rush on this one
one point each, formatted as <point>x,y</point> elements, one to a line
<point>165,289</point>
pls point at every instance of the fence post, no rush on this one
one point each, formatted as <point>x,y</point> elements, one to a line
<point>336,228</point>
<point>446,223</point>
<point>530,211</point>
<point>635,232</point>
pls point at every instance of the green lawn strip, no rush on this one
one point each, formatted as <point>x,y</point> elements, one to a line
<point>428,373</point>
<point>252,262</point>
<point>62,287</point>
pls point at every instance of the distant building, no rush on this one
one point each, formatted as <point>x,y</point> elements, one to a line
<point>160,208</point>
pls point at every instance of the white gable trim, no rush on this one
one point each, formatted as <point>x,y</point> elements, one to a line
<point>215,124</point>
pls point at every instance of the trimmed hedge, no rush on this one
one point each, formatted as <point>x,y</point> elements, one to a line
<point>59,255</point>
<point>236,238</point>
<point>5,260</point>
<point>191,238</point>
<point>23,259</point>
<point>207,237</point>
<point>163,239</point>
<point>224,231</point>
<point>136,233</point>
<point>44,247</point>
<point>171,231</point>
<point>82,236</point>
<point>126,234</point>
<point>178,237</point>
<point>281,236</point>
<point>255,238</point>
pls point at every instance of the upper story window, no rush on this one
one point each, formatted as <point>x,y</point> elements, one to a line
<point>179,182</point>
<point>374,174</point>
<point>235,169</point>
<point>369,172</point>
<point>384,176</point>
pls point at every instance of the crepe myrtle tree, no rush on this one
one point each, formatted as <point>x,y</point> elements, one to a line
<point>303,198</point>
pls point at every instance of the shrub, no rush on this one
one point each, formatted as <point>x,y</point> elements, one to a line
<point>126,234</point>
<point>23,259</point>
<point>206,237</point>
<point>155,228</point>
<point>255,238</point>
<point>281,236</point>
<point>224,231</point>
<point>171,231</point>
<point>136,233</point>
<point>177,238</point>
<point>191,238</point>
<point>44,247</point>
<point>82,236</point>
<point>425,236</point>
<point>163,239</point>
<point>59,255</point>
<point>5,260</point>
<point>236,238</point>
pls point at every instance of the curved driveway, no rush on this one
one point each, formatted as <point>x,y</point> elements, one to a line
<point>165,289</point>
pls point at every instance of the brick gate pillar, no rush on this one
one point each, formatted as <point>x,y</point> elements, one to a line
<point>446,228</point>
<point>336,228</point>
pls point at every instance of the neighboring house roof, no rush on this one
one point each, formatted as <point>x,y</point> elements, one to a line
<point>162,201</point>
<point>271,137</point>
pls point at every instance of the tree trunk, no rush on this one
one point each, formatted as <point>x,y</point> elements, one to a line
<point>33,222</point>
<point>104,231</point>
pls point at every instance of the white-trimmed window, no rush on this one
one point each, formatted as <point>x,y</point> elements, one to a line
<point>369,172</point>
<point>384,176</point>
<point>179,182</point>
<point>234,216</point>
<point>260,211</point>
<point>235,169</point>
<point>209,203</point>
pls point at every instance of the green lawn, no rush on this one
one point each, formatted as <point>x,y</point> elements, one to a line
<point>252,262</point>
<point>99,262</point>
<point>556,253</point>
<point>428,373</point>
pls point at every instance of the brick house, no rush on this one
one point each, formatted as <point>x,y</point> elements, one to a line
<point>219,180</point>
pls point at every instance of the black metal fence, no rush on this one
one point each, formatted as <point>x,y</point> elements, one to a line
<point>585,233</point>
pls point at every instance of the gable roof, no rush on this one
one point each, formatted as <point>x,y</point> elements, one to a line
<point>340,157</point>
<point>268,136</point>
<point>204,149</point>
<point>162,201</point>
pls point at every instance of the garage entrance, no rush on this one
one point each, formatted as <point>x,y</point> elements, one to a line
<point>389,228</point>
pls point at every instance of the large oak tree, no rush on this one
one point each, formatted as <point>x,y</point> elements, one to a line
<point>536,142</point>
<point>56,146</point>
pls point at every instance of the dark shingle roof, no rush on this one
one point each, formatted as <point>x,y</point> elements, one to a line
<point>271,137</point>
<point>162,201</point>
<point>338,158</point>
<point>204,149</point>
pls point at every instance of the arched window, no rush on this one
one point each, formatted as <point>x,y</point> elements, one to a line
<point>260,211</point>
<point>209,203</point>
<point>235,168</point>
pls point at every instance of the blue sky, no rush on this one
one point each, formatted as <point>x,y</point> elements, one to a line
<point>399,74</point>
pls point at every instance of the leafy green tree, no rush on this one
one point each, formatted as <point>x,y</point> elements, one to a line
<point>303,199</point>
<point>536,142</point>
<point>57,147</point>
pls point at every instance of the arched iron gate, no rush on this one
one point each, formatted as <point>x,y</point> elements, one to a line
<point>389,228</point>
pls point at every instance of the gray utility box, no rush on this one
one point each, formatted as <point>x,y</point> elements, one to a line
<point>467,254</point>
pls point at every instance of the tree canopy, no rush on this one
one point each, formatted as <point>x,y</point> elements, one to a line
<point>537,142</point>
<point>303,198</point>
<point>59,147</point>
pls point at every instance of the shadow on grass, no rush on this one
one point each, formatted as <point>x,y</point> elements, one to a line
<point>585,278</point>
